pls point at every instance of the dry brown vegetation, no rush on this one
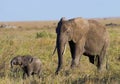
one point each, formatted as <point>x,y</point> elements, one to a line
<point>38,39</point>
<point>32,24</point>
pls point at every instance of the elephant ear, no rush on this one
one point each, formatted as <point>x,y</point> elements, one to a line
<point>19,60</point>
<point>60,24</point>
<point>30,60</point>
<point>80,28</point>
<point>27,59</point>
<point>63,19</point>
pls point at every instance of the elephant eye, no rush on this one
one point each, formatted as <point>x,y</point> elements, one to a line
<point>14,63</point>
<point>67,32</point>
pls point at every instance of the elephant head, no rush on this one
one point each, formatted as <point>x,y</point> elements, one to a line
<point>26,60</point>
<point>69,30</point>
<point>16,61</point>
<point>21,61</point>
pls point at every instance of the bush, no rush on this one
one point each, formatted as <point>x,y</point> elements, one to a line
<point>41,34</point>
<point>44,35</point>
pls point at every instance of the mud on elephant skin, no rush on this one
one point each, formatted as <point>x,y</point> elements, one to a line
<point>85,37</point>
<point>30,65</point>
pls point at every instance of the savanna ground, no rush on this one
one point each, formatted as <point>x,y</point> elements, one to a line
<point>38,39</point>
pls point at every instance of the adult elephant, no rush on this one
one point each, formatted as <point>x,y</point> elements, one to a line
<point>85,37</point>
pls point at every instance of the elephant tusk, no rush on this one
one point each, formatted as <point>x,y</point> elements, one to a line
<point>64,49</point>
<point>54,51</point>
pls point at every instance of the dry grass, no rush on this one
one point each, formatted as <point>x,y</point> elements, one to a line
<point>40,41</point>
<point>32,24</point>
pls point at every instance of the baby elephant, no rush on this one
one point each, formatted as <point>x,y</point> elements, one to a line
<point>29,64</point>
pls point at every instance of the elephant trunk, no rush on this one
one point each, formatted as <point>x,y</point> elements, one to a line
<point>60,51</point>
<point>12,64</point>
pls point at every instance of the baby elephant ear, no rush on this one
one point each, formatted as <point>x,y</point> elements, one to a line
<point>30,60</point>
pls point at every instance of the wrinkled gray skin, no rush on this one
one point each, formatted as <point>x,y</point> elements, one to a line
<point>85,37</point>
<point>29,64</point>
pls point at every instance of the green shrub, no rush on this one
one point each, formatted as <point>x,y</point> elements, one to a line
<point>44,34</point>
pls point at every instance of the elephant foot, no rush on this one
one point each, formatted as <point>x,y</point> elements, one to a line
<point>102,69</point>
<point>24,76</point>
<point>58,69</point>
<point>73,66</point>
<point>56,73</point>
<point>102,72</point>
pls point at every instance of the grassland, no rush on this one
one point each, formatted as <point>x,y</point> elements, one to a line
<point>38,39</point>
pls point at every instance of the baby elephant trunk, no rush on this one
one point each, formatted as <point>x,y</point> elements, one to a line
<point>12,64</point>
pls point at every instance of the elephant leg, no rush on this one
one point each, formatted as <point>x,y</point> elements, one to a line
<point>102,61</point>
<point>97,61</point>
<point>39,73</point>
<point>24,75</point>
<point>78,53</point>
<point>72,50</point>
<point>25,72</point>
<point>29,73</point>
